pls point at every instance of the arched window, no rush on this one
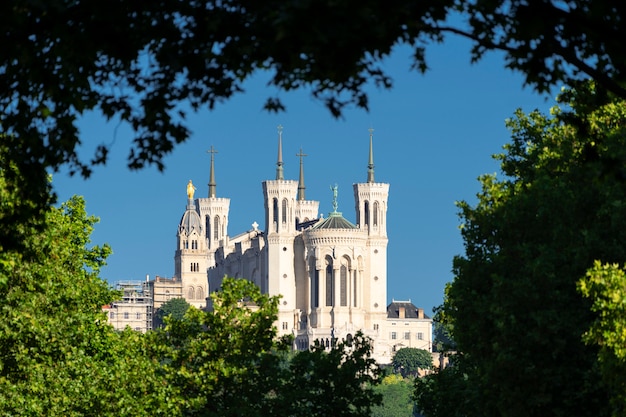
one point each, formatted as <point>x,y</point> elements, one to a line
<point>375,213</point>
<point>200,293</point>
<point>284,210</point>
<point>275,212</point>
<point>216,228</point>
<point>190,293</point>
<point>315,284</point>
<point>367,213</point>
<point>207,221</point>
<point>343,286</point>
<point>329,282</point>
<point>354,290</point>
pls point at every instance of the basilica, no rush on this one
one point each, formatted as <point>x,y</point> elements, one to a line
<point>331,273</point>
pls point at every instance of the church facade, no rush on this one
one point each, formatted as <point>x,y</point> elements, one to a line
<point>331,273</point>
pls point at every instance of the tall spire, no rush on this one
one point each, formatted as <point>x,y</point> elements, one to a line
<point>370,165</point>
<point>212,183</point>
<point>301,186</point>
<point>279,164</point>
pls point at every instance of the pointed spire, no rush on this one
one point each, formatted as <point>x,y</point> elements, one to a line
<point>370,165</point>
<point>212,183</point>
<point>301,186</point>
<point>279,163</point>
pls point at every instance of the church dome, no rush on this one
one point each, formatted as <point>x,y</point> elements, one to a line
<point>190,221</point>
<point>334,221</point>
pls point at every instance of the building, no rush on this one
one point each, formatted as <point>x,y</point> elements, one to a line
<point>164,289</point>
<point>134,309</point>
<point>330,272</point>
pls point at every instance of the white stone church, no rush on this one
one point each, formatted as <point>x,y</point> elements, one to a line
<point>330,272</point>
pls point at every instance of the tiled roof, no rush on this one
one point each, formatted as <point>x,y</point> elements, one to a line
<point>334,221</point>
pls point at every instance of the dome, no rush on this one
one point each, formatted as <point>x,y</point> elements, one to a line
<point>190,222</point>
<point>334,221</point>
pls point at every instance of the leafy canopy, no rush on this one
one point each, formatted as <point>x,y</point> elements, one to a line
<point>229,362</point>
<point>138,61</point>
<point>408,361</point>
<point>513,308</point>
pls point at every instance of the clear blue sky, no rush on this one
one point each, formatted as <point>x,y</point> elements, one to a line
<point>434,134</point>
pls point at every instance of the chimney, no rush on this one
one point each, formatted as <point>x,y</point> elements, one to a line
<point>420,313</point>
<point>401,313</point>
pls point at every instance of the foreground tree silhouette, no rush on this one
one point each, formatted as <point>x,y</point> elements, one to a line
<point>137,61</point>
<point>513,308</point>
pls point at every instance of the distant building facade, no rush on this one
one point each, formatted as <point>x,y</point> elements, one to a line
<point>331,273</point>
<point>134,309</point>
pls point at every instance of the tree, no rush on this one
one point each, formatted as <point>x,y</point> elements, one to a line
<point>174,308</point>
<point>408,361</point>
<point>397,401</point>
<point>228,362</point>
<point>58,354</point>
<point>137,61</point>
<point>513,307</point>
<point>605,285</point>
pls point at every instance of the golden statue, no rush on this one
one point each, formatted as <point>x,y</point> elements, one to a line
<point>190,190</point>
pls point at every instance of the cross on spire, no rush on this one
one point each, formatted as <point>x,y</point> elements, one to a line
<point>279,163</point>
<point>370,165</point>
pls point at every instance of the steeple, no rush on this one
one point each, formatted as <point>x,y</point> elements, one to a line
<point>212,183</point>
<point>279,163</point>
<point>301,186</point>
<point>370,165</point>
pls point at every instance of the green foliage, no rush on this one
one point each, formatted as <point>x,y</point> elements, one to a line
<point>58,355</point>
<point>228,362</point>
<point>513,307</point>
<point>396,394</point>
<point>408,361</point>
<point>174,308</point>
<point>606,286</point>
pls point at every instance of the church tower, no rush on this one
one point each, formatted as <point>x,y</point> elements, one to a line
<point>190,257</point>
<point>280,233</point>
<point>214,214</point>
<point>371,213</point>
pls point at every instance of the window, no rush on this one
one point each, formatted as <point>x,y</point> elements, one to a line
<point>407,335</point>
<point>216,228</point>
<point>138,316</point>
<point>329,284</point>
<point>355,292</point>
<point>285,325</point>
<point>126,316</point>
<point>375,213</point>
<point>420,336</point>
<point>111,315</point>
<point>394,335</point>
<point>200,293</point>
<point>367,213</point>
<point>376,326</point>
<point>275,213</point>
<point>343,286</point>
<point>284,210</point>
<point>190,293</point>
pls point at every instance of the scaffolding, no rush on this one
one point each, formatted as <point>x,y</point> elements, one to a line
<point>134,309</point>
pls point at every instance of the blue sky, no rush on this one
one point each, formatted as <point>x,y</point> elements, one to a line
<point>434,134</point>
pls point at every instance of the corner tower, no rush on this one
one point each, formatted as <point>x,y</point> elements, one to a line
<point>280,233</point>
<point>371,200</point>
<point>214,214</point>
<point>190,257</point>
